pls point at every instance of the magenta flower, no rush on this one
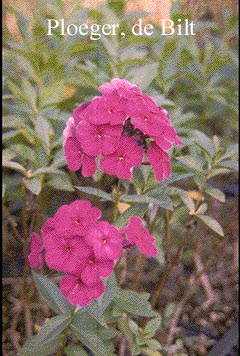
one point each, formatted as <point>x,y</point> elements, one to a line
<point>121,162</point>
<point>68,254</point>
<point>98,139</point>
<point>95,268</point>
<point>48,228</point>
<point>77,218</point>
<point>69,130</point>
<point>77,159</point>
<point>120,86</point>
<point>77,113</point>
<point>106,240</point>
<point>160,162</point>
<point>151,123</point>
<point>78,293</point>
<point>106,109</point>
<point>138,235</point>
<point>35,258</point>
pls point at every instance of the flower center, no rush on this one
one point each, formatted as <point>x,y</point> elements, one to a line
<point>121,158</point>
<point>145,118</point>
<point>91,261</point>
<point>68,249</point>
<point>110,111</point>
<point>78,221</point>
<point>79,282</point>
<point>104,240</point>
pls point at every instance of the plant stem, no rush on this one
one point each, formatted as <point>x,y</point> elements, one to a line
<point>167,235</point>
<point>169,270</point>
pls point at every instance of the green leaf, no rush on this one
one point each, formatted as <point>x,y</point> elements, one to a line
<point>229,164</point>
<point>144,75</point>
<point>218,171</point>
<point>212,223</point>
<point>61,182</point>
<point>34,185</point>
<point>50,169</point>
<point>43,130</point>
<point>232,150</point>
<point>148,351</point>
<point>154,344</point>
<point>134,303</point>
<point>134,327</point>
<point>152,326</point>
<point>161,200</point>
<point>138,210</point>
<point>96,311</point>
<point>204,142</point>
<point>15,166</point>
<point>202,209</point>
<point>138,179</point>
<point>52,94</point>
<point>88,338</point>
<point>127,332</point>
<point>188,201</point>
<point>96,192</point>
<point>75,350</point>
<point>191,162</point>
<point>216,193</point>
<point>33,348</point>
<point>110,291</point>
<point>49,332</point>
<point>52,295</point>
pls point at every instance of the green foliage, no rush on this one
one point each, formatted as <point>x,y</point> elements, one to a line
<point>45,77</point>
<point>51,294</point>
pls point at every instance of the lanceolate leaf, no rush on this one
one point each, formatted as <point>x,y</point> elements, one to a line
<point>52,295</point>
<point>47,336</point>
<point>191,162</point>
<point>216,193</point>
<point>33,348</point>
<point>34,185</point>
<point>97,192</point>
<point>89,339</point>
<point>95,309</point>
<point>212,223</point>
<point>110,292</point>
<point>75,350</point>
<point>134,303</point>
<point>163,200</point>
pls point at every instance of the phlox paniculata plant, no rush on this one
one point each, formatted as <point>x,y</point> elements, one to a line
<point>125,128</point>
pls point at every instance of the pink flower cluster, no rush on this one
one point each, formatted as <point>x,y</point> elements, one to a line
<point>75,242</point>
<point>125,128</point>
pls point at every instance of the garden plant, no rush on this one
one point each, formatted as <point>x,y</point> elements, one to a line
<point>113,153</point>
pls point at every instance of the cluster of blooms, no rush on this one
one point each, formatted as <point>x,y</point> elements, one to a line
<point>125,128</point>
<point>74,241</point>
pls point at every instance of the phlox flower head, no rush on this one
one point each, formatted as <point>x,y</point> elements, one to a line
<point>136,234</point>
<point>76,243</point>
<point>99,128</point>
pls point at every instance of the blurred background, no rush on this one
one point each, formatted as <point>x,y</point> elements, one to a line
<point>45,77</point>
